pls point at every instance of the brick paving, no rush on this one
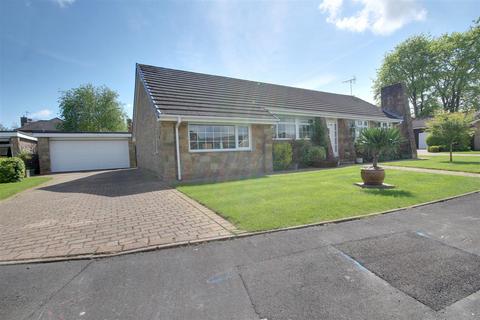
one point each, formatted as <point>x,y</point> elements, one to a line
<point>100,213</point>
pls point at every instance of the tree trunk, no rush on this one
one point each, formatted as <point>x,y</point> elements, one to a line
<point>375,161</point>
<point>451,150</point>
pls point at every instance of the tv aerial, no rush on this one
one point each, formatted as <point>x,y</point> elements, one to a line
<point>351,81</point>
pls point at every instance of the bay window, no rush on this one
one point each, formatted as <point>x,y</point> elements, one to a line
<point>218,137</point>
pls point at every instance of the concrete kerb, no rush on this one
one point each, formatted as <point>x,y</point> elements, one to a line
<point>229,237</point>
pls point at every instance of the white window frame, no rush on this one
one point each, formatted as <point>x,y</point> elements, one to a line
<point>237,148</point>
<point>359,127</point>
<point>385,125</point>
<point>296,123</point>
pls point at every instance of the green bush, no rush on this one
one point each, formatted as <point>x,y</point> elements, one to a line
<point>315,155</point>
<point>282,156</point>
<point>433,148</point>
<point>11,170</point>
<point>299,147</point>
<point>463,145</point>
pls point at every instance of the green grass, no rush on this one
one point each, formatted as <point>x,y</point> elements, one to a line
<point>291,199</point>
<point>461,152</point>
<point>466,164</point>
<point>9,189</point>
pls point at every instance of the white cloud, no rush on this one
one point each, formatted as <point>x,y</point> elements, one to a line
<point>378,16</point>
<point>64,3</point>
<point>41,114</point>
<point>316,82</point>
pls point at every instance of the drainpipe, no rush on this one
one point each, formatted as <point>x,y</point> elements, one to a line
<point>177,147</point>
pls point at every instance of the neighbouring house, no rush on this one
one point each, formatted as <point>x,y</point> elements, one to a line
<point>55,151</point>
<point>28,125</point>
<point>420,126</point>
<point>193,126</point>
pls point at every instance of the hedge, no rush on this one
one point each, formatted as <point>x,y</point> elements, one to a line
<point>11,170</point>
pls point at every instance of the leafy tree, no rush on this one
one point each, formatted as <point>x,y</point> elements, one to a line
<point>456,72</point>
<point>89,108</point>
<point>410,63</point>
<point>319,133</point>
<point>3,128</point>
<point>377,141</point>
<point>451,129</point>
<point>438,72</point>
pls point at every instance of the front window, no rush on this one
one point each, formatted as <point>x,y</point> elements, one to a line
<point>385,125</point>
<point>359,126</point>
<point>293,128</point>
<point>304,129</point>
<point>218,137</point>
<point>286,128</point>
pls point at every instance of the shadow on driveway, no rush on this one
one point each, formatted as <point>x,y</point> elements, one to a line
<point>116,183</point>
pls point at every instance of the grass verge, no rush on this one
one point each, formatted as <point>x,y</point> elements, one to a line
<point>465,164</point>
<point>9,189</point>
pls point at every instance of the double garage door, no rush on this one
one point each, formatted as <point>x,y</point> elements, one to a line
<point>78,155</point>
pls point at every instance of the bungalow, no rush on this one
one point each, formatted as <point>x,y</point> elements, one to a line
<point>193,126</point>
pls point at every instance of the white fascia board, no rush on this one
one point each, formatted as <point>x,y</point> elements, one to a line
<point>281,111</point>
<point>82,135</point>
<point>216,119</point>
<point>18,135</point>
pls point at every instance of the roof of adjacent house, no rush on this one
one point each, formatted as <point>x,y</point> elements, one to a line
<point>420,123</point>
<point>184,93</point>
<point>42,126</point>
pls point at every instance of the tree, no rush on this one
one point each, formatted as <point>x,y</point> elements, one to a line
<point>377,141</point>
<point>411,63</point>
<point>3,128</point>
<point>89,108</point>
<point>438,72</point>
<point>456,71</point>
<point>451,129</point>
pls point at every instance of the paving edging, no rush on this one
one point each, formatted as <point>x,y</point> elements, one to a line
<point>221,238</point>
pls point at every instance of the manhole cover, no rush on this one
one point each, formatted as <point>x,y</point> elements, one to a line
<point>431,272</point>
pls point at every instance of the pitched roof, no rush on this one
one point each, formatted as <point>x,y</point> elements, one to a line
<point>41,126</point>
<point>183,93</point>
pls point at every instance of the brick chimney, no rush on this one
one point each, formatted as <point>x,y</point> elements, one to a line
<point>395,102</point>
<point>24,120</point>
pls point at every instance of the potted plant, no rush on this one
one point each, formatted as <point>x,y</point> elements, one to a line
<point>377,141</point>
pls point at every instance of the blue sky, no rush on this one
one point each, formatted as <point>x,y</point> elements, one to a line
<point>48,46</point>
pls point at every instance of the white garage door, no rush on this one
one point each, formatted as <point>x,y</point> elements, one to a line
<point>422,140</point>
<point>77,155</point>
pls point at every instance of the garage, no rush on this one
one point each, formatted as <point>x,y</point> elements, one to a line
<point>86,151</point>
<point>422,140</point>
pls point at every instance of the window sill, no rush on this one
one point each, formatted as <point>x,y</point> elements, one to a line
<point>219,150</point>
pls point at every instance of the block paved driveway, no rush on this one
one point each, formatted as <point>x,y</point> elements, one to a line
<point>99,213</point>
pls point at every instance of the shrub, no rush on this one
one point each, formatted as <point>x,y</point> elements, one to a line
<point>27,159</point>
<point>11,170</point>
<point>282,156</point>
<point>315,155</point>
<point>300,147</point>
<point>433,149</point>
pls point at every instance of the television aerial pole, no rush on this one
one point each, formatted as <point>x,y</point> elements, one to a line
<point>351,81</point>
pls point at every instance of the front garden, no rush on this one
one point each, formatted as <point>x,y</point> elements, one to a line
<point>291,199</point>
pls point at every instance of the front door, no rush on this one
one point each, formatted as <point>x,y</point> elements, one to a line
<point>333,134</point>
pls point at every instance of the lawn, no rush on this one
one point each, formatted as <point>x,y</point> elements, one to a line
<point>291,199</point>
<point>9,189</point>
<point>467,164</point>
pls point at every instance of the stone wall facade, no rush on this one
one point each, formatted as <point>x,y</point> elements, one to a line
<point>214,166</point>
<point>146,133</point>
<point>44,155</point>
<point>346,143</point>
<point>395,101</point>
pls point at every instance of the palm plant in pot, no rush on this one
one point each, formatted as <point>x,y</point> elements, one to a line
<point>375,142</point>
